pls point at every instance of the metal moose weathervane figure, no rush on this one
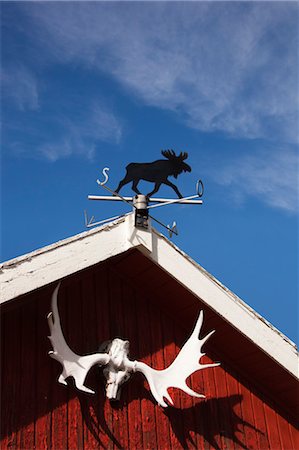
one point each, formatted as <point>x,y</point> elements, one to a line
<point>118,367</point>
<point>156,172</point>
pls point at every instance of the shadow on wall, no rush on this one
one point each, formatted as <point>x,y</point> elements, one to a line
<point>94,411</point>
<point>95,421</point>
<point>207,413</point>
<point>202,419</point>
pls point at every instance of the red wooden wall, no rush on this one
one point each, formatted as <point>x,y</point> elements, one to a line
<point>96,305</point>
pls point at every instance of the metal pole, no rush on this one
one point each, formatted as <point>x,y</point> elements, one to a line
<point>110,198</point>
<point>186,200</point>
<point>116,194</point>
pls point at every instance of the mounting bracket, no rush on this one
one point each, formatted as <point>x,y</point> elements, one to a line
<point>140,203</point>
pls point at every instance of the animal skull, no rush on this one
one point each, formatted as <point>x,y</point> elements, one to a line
<point>117,371</point>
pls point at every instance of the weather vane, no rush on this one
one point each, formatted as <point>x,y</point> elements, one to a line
<point>156,172</point>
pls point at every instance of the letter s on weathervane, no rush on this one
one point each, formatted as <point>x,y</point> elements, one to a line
<point>105,173</point>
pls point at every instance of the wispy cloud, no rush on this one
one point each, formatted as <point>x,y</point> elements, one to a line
<point>62,136</point>
<point>104,125</point>
<point>220,67</point>
<point>269,176</point>
<point>20,86</point>
<point>83,137</point>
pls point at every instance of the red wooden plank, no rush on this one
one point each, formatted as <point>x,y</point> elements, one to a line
<point>10,377</point>
<point>186,401</point>
<point>272,427</point>
<point>260,422</point>
<point>196,383</point>
<point>285,433</point>
<point>294,433</point>
<point>5,368</point>
<point>122,404</point>
<point>235,400</point>
<point>224,408</point>
<point>158,363</point>
<point>122,409</point>
<point>211,420</point>
<point>248,417</point>
<point>4,429</point>
<point>26,398</point>
<point>134,388</point>
<point>102,298</point>
<point>75,341</point>
<point>90,403</point>
<point>44,375</point>
<point>147,405</point>
<point>108,420</point>
<point>116,330</point>
<point>170,351</point>
<point>119,417</point>
<point>59,420</point>
<point>59,392</point>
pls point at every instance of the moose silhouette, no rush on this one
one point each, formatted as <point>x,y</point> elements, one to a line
<point>156,172</point>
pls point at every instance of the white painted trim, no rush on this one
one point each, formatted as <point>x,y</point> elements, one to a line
<point>34,270</point>
<point>49,264</point>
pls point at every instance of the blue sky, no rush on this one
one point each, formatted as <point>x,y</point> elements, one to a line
<point>92,84</point>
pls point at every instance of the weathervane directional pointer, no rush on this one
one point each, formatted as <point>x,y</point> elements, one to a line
<point>156,172</point>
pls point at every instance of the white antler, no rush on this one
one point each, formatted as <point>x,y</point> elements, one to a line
<point>119,366</point>
<point>74,365</point>
<point>186,363</point>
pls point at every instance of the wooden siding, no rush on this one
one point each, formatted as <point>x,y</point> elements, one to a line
<point>100,304</point>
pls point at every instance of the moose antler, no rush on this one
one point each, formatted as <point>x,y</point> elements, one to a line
<point>183,156</point>
<point>186,363</point>
<point>74,365</point>
<point>119,366</point>
<point>169,154</point>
